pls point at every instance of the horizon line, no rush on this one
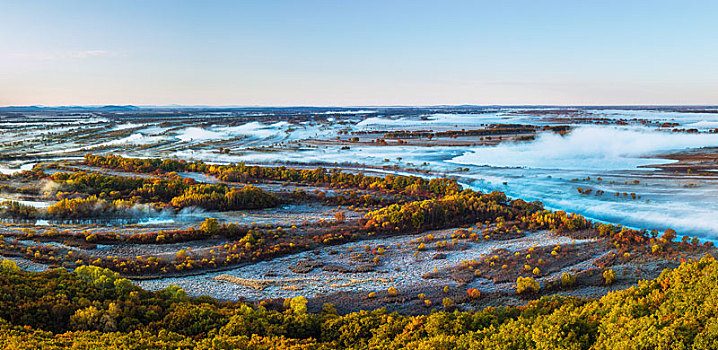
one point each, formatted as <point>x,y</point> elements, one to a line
<point>40,106</point>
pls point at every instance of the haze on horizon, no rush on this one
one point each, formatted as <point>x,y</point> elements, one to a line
<point>350,53</point>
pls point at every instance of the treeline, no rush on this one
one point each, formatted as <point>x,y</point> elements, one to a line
<point>25,175</point>
<point>344,197</point>
<point>210,228</point>
<point>501,129</point>
<point>99,184</point>
<point>14,209</point>
<point>452,210</point>
<point>180,192</point>
<point>558,221</point>
<point>95,308</point>
<point>406,185</point>
<point>183,192</point>
<point>256,243</point>
<point>87,195</point>
<point>75,208</point>
<point>221,197</point>
<point>89,207</point>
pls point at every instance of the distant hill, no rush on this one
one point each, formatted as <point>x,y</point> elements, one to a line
<point>108,108</point>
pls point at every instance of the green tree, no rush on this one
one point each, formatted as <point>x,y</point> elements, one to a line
<point>526,285</point>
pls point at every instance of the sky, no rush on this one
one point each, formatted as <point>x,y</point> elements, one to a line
<point>358,53</point>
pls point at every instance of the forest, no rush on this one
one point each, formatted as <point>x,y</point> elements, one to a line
<point>96,308</point>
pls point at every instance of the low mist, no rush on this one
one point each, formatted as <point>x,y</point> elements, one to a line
<point>588,147</point>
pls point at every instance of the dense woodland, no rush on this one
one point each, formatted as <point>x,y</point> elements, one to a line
<point>95,308</point>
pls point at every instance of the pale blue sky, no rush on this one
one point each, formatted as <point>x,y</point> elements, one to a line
<point>358,52</point>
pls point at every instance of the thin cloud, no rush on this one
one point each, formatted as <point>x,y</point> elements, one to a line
<point>63,56</point>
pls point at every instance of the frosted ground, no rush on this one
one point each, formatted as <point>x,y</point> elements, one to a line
<point>401,269</point>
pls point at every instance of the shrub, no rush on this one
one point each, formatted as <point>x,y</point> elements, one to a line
<point>210,226</point>
<point>9,266</point>
<point>298,305</point>
<point>527,285</point>
<point>568,279</point>
<point>609,275</point>
<point>473,293</point>
<point>669,235</point>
